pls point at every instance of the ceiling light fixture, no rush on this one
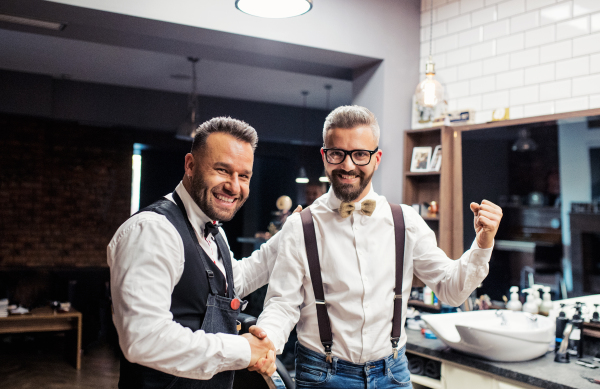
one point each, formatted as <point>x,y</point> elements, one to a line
<point>429,91</point>
<point>274,8</point>
<point>32,22</point>
<point>187,129</point>
<point>524,142</point>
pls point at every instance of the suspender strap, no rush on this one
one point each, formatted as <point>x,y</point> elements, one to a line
<point>312,254</point>
<point>399,230</point>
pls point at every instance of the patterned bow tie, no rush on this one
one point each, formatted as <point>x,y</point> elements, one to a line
<point>367,207</point>
<point>211,228</point>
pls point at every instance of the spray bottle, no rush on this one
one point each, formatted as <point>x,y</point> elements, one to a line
<point>514,304</point>
<point>530,305</point>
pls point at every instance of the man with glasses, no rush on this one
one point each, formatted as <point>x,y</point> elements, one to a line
<point>344,268</point>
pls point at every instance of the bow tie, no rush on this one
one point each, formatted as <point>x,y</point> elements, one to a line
<point>210,228</point>
<point>367,207</point>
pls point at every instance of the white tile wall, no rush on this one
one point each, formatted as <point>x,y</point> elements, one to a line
<point>537,57</point>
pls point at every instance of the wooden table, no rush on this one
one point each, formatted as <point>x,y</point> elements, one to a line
<point>46,320</point>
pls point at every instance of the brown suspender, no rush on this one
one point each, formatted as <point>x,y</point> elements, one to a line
<point>310,242</point>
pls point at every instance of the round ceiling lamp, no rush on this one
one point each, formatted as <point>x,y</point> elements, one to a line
<point>274,8</point>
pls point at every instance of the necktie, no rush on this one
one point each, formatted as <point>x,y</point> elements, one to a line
<point>367,207</point>
<point>211,228</point>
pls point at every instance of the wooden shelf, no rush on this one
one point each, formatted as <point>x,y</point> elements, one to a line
<point>418,174</point>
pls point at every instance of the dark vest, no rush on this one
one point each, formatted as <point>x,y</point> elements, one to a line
<point>188,301</point>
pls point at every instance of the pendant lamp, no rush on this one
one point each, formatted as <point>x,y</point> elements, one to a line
<point>274,8</point>
<point>524,142</point>
<point>430,92</point>
<point>187,129</point>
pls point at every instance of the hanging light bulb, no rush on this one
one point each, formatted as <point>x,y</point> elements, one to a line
<point>274,8</point>
<point>323,177</point>
<point>187,129</point>
<point>302,177</point>
<point>524,142</point>
<point>429,92</point>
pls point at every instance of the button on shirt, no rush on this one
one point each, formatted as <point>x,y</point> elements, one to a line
<point>357,258</point>
<point>146,260</point>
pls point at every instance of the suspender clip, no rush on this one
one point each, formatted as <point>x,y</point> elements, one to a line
<point>328,355</point>
<point>320,302</point>
<point>397,296</point>
<point>395,346</point>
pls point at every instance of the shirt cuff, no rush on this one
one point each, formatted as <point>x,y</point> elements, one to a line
<point>237,353</point>
<point>479,256</point>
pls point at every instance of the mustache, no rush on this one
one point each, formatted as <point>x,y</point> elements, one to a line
<point>355,172</point>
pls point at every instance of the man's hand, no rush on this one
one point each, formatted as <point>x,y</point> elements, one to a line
<point>487,219</point>
<point>262,359</point>
<point>298,209</point>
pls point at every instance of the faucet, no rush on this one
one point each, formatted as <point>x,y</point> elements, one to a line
<point>500,314</point>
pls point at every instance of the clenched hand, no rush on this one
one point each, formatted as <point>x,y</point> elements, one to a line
<point>487,219</point>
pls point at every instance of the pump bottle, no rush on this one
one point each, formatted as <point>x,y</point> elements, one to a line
<point>546,304</point>
<point>514,304</point>
<point>530,305</point>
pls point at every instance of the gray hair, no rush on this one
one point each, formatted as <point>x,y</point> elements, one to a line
<point>351,116</point>
<point>227,125</point>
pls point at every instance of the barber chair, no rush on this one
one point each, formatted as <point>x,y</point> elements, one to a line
<point>251,379</point>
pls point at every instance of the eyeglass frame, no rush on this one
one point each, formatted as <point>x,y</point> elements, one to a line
<point>349,153</point>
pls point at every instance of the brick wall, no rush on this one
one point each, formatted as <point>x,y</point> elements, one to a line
<point>537,57</point>
<point>64,190</point>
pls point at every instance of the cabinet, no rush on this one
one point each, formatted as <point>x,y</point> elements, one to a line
<point>443,187</point>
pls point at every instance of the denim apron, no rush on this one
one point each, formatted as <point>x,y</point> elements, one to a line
<point>219,316</point>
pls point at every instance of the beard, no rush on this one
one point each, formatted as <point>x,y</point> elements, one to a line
<point>204,198</point>
<point>349,192</point>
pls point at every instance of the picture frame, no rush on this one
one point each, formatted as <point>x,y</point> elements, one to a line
<point>421,157</point>
<point>436,159</point>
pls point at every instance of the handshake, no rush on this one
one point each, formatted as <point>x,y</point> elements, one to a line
<point>262,359</point>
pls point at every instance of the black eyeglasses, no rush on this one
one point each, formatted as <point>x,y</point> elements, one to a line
<point>359,157</point>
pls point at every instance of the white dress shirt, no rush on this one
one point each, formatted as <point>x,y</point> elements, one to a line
<point>146,260</point>
<point>357,257</point>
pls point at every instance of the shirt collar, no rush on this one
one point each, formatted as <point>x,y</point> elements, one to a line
<point>196,216</point>
<point>334,203</point>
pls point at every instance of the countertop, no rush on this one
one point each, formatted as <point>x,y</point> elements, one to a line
<point>541,372</point>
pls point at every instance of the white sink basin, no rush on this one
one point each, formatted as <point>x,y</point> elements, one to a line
<point>505,336</point>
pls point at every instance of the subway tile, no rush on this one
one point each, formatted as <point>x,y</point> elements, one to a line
<point>425,18</point>
<point>556,13</point>
<point>483,50</point>
<point>446,43</point>
<point>472,102</point>
<point>495,100</point>
<point>540,36</point>
<point>551,91</point>
<point>495,30</point>
<point>595,63</point>
<point>595,22</point>
<point>457,89</point>
<point>556,51</point>
<point>573,67</point>
<point>483,85</point>
<point>525,58</point>
<point>573,28</point>
<point>484,16</point>
<point>524,22</point>
<point>570,105</point>
<point>496,65</point>
<point>513,42</point>
<point>458,56</point>
<point>470,70</point>
<point>510,8</point>
<point>469,37</point>
<point>491,2</point>
<point>447,11</point>
<point>511,79</point>
<point>452,104</point>
<point>587,85</point>
<point>470,5</point>
<point>438,30</point>
<point>425,48</point>
<point>538,74</point>
<point>526,95</point>
<point>425,4</point>
<point>594,101</point>
<point>538,109</point>
<point>460,23</point>
<point>581,7</point>
<point>483,116</point>
<point>516,112</point>
<point>586,45</point>
<point>447,75</point>
<point>532,4</point>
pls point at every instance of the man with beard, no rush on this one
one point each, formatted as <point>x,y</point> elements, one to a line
<point>176,292</point>
<point>344,268</point>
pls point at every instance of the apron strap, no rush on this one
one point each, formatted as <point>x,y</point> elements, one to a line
<point>312,254</point>
<point>399,232</point>
<point>209,274</point>
<point>224,249</point>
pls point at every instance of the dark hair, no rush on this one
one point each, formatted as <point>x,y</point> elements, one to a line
<point>227,125</point>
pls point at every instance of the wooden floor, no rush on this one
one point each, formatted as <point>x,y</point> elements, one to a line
<point>39,362</point>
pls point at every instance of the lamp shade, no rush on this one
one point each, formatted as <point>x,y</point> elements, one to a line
<point>302,177</point>
<point>274,8</point>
